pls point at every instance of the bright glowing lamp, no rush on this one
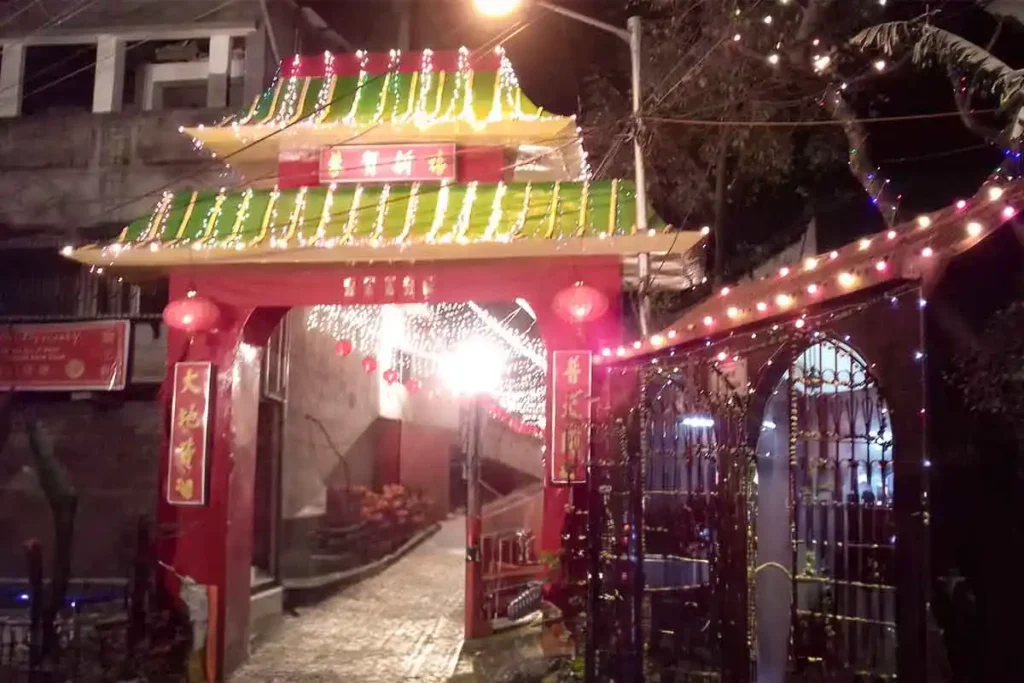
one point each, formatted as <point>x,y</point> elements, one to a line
<point>475,366</point>
<point>496,8</point>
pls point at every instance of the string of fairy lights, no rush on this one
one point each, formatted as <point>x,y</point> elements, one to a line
<point>424,105</point>
<point>412,343</point>
<point>904,251</point>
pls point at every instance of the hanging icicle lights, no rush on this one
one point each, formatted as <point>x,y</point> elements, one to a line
<point>429,333</point>
<point>423,89</point>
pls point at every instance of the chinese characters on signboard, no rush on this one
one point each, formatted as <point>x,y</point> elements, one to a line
<point>189,442</point>
<point>387,163</point>
<point>86,356</point>
<point>570,419</point>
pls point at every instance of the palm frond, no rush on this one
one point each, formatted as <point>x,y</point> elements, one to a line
<point>932,45</point>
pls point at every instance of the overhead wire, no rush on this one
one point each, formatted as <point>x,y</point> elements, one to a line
<point>805,124</point>
<point>251,180</point>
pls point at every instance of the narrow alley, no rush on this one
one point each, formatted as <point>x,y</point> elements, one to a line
<point>404,624</point>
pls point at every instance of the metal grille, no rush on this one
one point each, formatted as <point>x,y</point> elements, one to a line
<point>694,427</point>
<point>41,285</point>
<point>826,450</point>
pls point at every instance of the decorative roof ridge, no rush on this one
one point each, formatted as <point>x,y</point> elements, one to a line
<point>910,251</point>
<point>359,62</point>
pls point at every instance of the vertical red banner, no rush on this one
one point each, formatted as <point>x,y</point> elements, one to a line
<point>570,415</point>
<point>190,432</point>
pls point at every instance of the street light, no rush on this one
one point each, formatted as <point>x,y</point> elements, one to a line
<point>472,370</point>
<point>631,36</point>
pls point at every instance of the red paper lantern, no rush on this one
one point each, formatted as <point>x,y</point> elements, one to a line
<point>193,313</point>
<point>343,348</point>
<point>412,386</point>
<point>390,375</point>
<point>369,364</point>
<point>580,303</point>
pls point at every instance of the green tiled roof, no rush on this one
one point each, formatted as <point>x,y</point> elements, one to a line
<point>389,214</point>
<point>368,97</point>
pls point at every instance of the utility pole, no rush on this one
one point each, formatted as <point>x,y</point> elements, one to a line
<point>471,424</point>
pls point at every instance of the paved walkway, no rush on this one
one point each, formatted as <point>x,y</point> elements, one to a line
<point>404,624</point>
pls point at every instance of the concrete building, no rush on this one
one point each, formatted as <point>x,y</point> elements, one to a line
<point>91,95</point>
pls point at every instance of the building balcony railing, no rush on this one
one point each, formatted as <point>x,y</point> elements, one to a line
<point>39,285</point>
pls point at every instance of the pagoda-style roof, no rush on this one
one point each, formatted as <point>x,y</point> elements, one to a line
<point>376,98</point>
<point>387,222</point>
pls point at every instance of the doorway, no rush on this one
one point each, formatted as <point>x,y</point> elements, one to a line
<point>269,441</point>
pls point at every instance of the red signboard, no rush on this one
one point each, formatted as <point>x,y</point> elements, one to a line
<point>570,415</point>
<point>190,431</point>
<point>83,356</point>
<point>387,163</point>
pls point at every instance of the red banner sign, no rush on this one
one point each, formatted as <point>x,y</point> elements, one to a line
<point>387,163</point>
<point>190,430</point>
<point>570,415</point>
<point>86,356</point>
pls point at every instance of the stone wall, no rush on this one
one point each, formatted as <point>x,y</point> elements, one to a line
<point>342,400</point>
<point>111,450</point>
<point>76,170</point>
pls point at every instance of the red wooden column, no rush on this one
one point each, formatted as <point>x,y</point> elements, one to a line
<point>561,335</point>
<point>211,544</point>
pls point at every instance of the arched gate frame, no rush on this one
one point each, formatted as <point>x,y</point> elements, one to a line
<point>671,514</point>
<point>212,543</point>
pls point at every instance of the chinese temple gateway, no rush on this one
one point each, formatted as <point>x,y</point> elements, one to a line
<point>369,179</point>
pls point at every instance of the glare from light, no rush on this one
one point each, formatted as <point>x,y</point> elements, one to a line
<point>475,367</point>
<point>496,8</point>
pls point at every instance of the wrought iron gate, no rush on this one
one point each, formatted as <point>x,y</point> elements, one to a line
<point>713,559</point>
<point>838,480</point>
<point>672,464</point>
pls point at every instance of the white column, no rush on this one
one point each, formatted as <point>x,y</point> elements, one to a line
<point>220,66</point>
<point>255,65</point>
<point>12,77</point>
<point>108,88</point>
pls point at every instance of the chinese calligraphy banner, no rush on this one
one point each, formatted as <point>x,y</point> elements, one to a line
<point>570,415</point>
<point>190,428</point>
<point>387,163</point>
<point>83,356</point>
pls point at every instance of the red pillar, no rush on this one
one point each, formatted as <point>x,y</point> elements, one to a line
<point>212,543</point>
<point>561,335</point>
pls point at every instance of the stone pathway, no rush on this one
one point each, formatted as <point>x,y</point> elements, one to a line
<point>404,624</point>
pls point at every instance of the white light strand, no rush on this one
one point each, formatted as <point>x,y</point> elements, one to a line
<point>432,330</point>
